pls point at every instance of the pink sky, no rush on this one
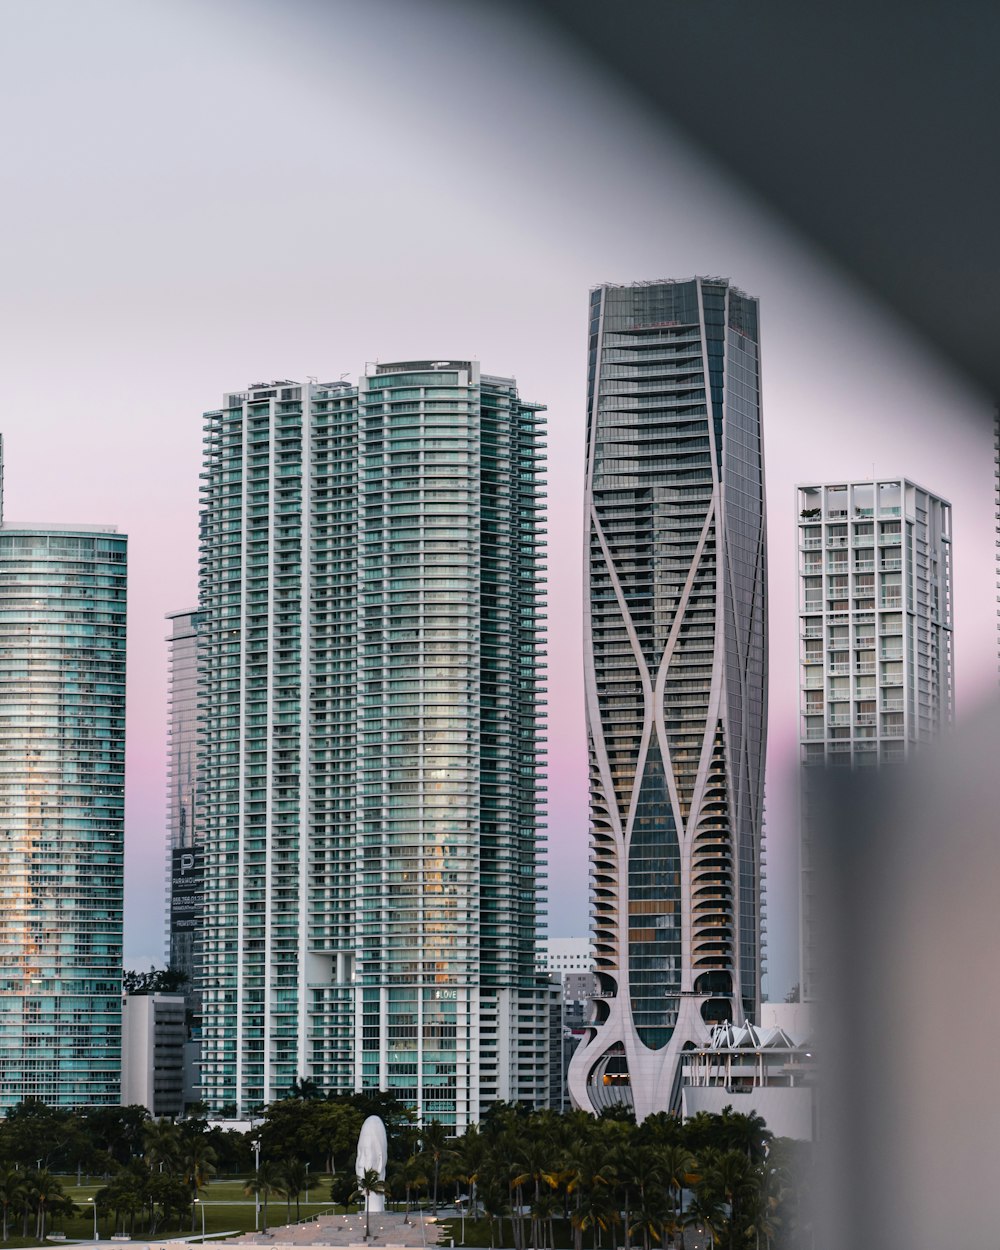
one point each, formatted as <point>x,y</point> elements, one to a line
<point>202,195</point>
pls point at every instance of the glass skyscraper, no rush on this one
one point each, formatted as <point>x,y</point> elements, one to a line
<point>184,850</point>
<point>62,774</point>
<point>370,599</point>
<point>675,677</point>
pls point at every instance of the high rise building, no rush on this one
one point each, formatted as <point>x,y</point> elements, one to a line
<point>185,853</point>
<point>675,655</point>
<point>875,618</point>
<point>62,774</point>
<point>184,850</point>
<point>370,595</point>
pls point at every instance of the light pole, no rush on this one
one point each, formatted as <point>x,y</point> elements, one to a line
<point>97,1236</point>
<point>256,1205</point>
<point>307,1184</point>
<point>202,1205</point>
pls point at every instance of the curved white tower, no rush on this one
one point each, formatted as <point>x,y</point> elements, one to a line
<point>675,655</point>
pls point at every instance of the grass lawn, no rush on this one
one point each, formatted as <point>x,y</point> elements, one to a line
<point>227,1209</point>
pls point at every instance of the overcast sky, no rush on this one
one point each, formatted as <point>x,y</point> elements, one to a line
<point>200,195</point>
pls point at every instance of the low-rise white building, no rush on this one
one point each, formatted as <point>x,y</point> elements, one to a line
<point>753,1070</point>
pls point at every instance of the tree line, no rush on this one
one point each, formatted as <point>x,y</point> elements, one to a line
<point>536,1178</point>
<point>615,1183</point>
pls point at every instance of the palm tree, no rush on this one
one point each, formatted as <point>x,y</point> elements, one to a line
<point>413,1176</point>
<point>434,1139</point>
<point>623,1164</point>
<point>745,1131</point>
<point>161,1140</point>
<point>590,1175</point>
<point>533,1166</point>
<point>265,1183</point>
<point>704,1211</point>
<point>677,1164</point>
<point>647,1221</point>
<point>731,1176</point>
<point>761,1217</point>
<point>471,1157</point>
<point>293,1176</point>
<point>306,1088</point>
<point>44,1189</point>
<point>368,1184</point>
<point>198,1163</point>
<point>11,1193</point>
<point>593,1211</point>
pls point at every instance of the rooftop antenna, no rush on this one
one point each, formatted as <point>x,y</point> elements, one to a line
<point>343,375</point>
<point>311,377</point>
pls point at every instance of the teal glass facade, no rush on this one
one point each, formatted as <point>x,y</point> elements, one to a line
<point>370,591</point>
<point>62,773</point>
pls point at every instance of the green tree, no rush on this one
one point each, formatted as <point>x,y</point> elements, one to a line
<point>266,1183</point>
<point>368,1184</point>
<point>11,1194</point>
<point>198,1165</point>
<point>313,1130</point>
<point>731,1176</point>
<point>533,1167</point>
<point>162,1145</point>
<point>305,1088</point>
<point>434,1143</point>
<point>294,1176</point>
<point>704,1212</point>
<point>116,1130</point>
<point>677,1164</point>
<point>35,1135</point>
<point>409,1176</point>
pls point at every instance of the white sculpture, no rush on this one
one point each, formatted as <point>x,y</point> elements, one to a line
<point>373,1151</point>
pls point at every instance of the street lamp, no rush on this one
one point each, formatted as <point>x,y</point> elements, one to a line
<point>307,1184</point>
<point>256,1205</point>
<point>97,1236</point>
<point>202,1205</point>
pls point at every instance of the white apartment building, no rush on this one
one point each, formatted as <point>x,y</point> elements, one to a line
<point>875,616</point>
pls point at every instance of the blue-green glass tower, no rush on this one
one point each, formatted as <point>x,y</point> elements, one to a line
<point>370,691</point>
<point>62,776</point>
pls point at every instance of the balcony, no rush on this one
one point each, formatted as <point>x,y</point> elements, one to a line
<point>891,601</point>
<point>892,705</point>
<point>811,544</point>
